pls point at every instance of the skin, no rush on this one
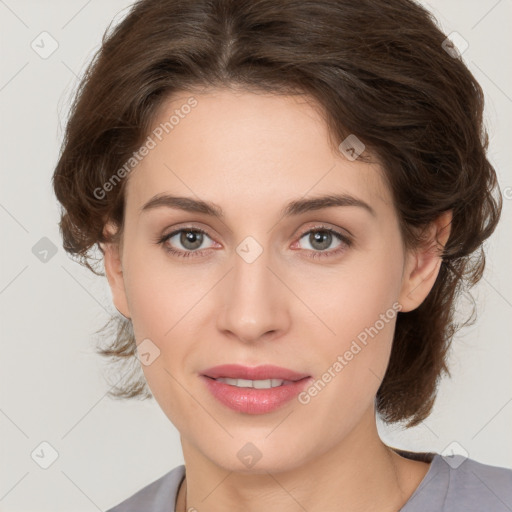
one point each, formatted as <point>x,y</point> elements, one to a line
<point>251,154</point>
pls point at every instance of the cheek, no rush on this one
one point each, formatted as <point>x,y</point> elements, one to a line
<point>350,367</point>
<point>358,306</point>
<point>353,297</point>
<point>172,391</point>
<point>164,306</point>
<point>158,291</point>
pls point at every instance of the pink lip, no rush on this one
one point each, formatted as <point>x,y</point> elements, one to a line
<point>251,400</point>
<point>267,371</point>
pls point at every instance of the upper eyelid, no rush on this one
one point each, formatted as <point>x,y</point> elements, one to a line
<point>324,223</point>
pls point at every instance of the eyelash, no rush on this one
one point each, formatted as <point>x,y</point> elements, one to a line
<point>315,254</point>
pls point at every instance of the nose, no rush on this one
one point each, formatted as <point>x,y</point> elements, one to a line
<point>254,301</point>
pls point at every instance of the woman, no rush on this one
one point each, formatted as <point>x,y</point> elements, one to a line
<point>288,197</point>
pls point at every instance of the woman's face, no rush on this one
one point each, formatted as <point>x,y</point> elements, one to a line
<point>258,287</point>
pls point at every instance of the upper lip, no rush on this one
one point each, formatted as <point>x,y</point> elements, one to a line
<point>263,372</point>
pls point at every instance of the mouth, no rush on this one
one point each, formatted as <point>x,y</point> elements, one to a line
<point>254,390</point>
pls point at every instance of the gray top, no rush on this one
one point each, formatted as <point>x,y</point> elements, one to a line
<point>452,484</point>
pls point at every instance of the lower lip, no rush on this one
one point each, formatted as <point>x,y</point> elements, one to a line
<point>254,401</point>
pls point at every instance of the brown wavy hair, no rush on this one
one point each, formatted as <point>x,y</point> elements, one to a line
<point>377,69</point>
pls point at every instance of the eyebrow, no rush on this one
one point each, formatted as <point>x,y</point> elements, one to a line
<point>293,208</point>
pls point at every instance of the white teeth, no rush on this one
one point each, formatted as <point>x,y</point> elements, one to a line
<point>257,384</point>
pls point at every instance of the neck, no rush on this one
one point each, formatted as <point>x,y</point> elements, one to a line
<point>361,473</point>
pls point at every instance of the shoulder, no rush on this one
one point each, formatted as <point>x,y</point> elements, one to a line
<point>156,496</point>
<point>478,486</point>
<point>455,483</point>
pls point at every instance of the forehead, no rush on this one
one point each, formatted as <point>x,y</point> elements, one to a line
<point>244,148</point>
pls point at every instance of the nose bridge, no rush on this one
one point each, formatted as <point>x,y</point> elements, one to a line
<point>251,273</point>
<point>254,304</point>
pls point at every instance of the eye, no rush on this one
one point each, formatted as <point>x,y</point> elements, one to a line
<point>191,239</point>
<point>321,238</point>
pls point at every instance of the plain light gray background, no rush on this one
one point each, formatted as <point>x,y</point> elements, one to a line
<point>52,389</point>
